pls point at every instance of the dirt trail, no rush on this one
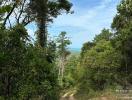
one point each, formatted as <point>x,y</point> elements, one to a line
<point>68,98</point>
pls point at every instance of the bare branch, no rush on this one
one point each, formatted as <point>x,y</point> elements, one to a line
<point>21,11</point>
<point>26,20</point>
<point>9,23</point>
<point>15,15</point>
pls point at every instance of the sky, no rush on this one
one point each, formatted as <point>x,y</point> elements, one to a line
<point>89,18</point>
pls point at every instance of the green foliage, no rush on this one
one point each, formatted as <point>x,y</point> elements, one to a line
<point>25,71</point>
<point>122,24</point>
<point>86,46</point>
<point>63,42</point>
<point>70,76</point>
<point>12,48</point>
<point>4,9</point>
<point>50,8</point>
<point>99,63</point>
<point>105,35</point>
<point>40,77</point>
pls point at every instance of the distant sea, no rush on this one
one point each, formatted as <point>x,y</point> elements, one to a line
<point>75,50</point>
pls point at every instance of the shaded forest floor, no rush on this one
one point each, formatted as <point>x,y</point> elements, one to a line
<point>99,98</point>
<point>105,96</point>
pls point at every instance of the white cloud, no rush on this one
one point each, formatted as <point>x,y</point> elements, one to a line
<point>86,17</point>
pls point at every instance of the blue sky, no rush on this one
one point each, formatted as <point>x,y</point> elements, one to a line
<point>89,18</point>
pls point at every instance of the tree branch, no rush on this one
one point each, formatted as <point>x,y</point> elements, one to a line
<point>26,20</point>
<point>8,15</point>
<point>10,23</point>
<point>21,11</point>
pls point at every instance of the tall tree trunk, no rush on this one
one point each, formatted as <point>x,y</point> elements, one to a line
<point>42,33</point>
<point>7,86</point>
<point>42,25</point>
